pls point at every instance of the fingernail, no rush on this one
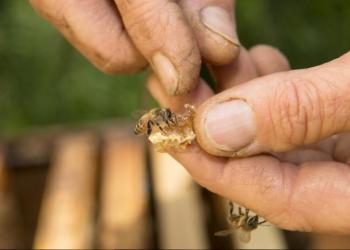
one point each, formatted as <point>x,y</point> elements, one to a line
<point>166,72</point>
<point>231,125</point>
<point>219,21</point>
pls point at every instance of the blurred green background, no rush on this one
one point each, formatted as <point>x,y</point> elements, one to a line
<point>44,81</point>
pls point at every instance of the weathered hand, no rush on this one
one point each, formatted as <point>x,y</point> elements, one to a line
<point>296,120</point>
<point>125,35</point>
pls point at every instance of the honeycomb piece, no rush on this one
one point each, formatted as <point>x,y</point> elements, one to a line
<point>177,136</point>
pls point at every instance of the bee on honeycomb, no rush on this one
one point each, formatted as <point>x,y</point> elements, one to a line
<point>167,130</point>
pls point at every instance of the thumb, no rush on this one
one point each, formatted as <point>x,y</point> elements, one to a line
<point>277,112</point>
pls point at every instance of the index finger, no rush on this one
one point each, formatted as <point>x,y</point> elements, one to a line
<point>214,25</point>
<point>160,31</point>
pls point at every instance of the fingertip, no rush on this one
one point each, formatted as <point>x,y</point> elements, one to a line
<point>177,79</point>
<point>218,53</point>
<point>156,89</point>
<point>116,63</point>
<point>268,59</point>
<point>219,21</point>
<point>218,39</point>
<point>215,29</point>
<point>195,97</point>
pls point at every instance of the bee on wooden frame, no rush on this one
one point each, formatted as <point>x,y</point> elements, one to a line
<point>243,222</point>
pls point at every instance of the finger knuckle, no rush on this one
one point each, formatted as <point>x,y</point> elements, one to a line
<point>41,8</point>
<point>113,64</point>
<point>142,13</point>
<point>36,3</point>
<point>52,11</point>
<point>292,219</point>
<point>300,112</point>
<point>146,18</point>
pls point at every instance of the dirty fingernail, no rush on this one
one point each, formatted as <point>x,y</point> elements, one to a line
<point>219,21</point>
<point>231,125</point>
<point>166,72</point>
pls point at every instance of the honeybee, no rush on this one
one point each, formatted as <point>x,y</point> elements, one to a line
<point>243,222</point>
<point>163,118</point>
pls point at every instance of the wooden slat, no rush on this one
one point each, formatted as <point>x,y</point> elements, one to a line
<point>181,222</point>
<point>326,241</point>
<point>28,185</point>
<point>123,217</point>
<point>32,150</point>
<point>11,235</point>
<point>66,214</point>
<point>297,240</point>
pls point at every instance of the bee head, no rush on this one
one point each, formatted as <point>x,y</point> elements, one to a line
<point>253,222</point>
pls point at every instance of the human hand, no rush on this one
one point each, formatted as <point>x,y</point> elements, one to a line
<point>125,35</point>
<point>296,120</point>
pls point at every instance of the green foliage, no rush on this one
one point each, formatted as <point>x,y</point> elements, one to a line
<point>43,80</point>
<point>308,32</point>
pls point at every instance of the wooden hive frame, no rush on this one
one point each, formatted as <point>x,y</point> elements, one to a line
<point>105,188</point>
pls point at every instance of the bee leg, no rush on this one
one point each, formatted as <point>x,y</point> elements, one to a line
<point>230,212</point>
<point>167,123</point>
<point>159,126</point>
<point>230,204</point>
<point>171,121</point>
<point>149,127</point>
<point>169,117</point>
<point>174,119</point>
<point>246,211</point>
<point>240,211</point>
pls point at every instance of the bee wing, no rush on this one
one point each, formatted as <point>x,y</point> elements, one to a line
<point>244,235</point>
<point>224,232</point>
<point>138,113</point>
